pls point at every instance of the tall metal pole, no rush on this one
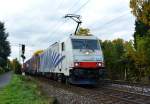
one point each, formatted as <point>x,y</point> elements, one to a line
<point>19,52</point>
<point>23,57</point>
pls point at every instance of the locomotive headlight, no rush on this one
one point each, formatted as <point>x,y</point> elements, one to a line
<point>76,64</point>
<point>99,64</point>
<point>87,53</point>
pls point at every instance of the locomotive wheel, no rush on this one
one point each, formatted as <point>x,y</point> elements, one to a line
<point>55,77</point>
<point>67,80</point>
<point>59,78</point>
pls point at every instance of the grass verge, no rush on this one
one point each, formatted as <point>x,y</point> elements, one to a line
<point>23,90</point>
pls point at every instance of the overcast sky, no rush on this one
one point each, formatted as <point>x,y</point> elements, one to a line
<point>39,23</point>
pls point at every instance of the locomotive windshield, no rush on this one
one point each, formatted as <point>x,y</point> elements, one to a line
<point>85,44</point>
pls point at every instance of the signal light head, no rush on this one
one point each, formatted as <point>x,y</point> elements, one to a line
<point>23,48</point>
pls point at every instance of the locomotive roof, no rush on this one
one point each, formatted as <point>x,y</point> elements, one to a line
<point>83,37</point>
<point>78,37</point>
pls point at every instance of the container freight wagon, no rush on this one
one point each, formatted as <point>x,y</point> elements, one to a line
<point>76,59</point>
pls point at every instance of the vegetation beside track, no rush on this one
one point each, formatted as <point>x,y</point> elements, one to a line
<point>23,90</point>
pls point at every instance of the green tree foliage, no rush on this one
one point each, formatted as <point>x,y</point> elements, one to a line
<point>141,30</point>
<point>113,53</point>
<point>141,9</point>
<point>16,66</point>
<point>108,51</point>
<point>84,32</point>
<point>36,53</point>
<point>123,62</point>
<point>4,46</point>
<point>142,58</point>
<point>128,61</point>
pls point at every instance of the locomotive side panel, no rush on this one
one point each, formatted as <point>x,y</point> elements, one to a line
<point>32,65</point>
<point>50,59</point>
<point>66,51</point>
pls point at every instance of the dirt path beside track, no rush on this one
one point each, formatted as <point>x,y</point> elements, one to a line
<point>5,79</point>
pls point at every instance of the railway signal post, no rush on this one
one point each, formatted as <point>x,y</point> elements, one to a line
<point>23,57</point>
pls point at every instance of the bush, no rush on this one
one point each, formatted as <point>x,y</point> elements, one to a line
<point>1,70</point>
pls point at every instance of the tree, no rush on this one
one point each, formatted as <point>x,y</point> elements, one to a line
<point>141,30</point>
<point>141,9</point>
<point>121,60</point>
<point>16,66</point>
<point>128,60</point>
<point>119,47</point>
<point>108,51</point>
<point>84,32</point>
<point>113,56</point>
<point>37,52</point>
<point>4,46</point>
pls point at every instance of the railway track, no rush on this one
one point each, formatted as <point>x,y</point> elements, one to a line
<point>102,95</point>
<point>114,96</point>
<point>132,89</point>
<point>125,96</point>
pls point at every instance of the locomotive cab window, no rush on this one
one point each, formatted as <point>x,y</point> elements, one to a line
<point>62,46</point>
<point>85,44</point>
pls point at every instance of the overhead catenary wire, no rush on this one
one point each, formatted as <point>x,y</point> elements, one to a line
<point>54,26</point>
<point>81,6</point>
<point>77,10</point>
<point>58,26</point>
<point>111,21</point>
<point>61,3</point>
<point>17,44</point>
<point>73,6</point>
